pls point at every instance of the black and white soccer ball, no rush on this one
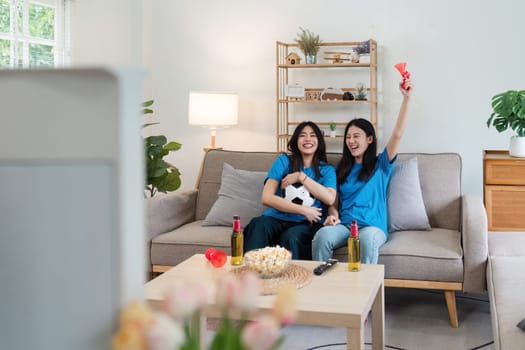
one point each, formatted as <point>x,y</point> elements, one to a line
<point>298,194</point>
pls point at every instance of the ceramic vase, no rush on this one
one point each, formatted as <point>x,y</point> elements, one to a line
<point>517,146</point>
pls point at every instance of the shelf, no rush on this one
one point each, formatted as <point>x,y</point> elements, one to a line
<point>327,65</point>
<point>321,76</point>
<point>328,102</point>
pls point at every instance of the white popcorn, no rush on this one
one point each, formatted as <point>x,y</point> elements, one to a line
<point>268,261</point>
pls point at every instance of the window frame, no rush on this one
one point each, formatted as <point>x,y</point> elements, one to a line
<point>20,58</point>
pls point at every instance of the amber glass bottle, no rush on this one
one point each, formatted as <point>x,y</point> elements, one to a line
<point>354,249</point>
<point>237,242</point>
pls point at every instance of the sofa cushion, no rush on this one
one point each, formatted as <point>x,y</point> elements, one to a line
<point>209,181</point>
<point>239,194</point>
<point>178,245</point>
<point>406,209</point>
<point>426,255</point>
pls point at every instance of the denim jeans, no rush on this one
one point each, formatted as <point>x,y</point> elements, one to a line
<point>266,231</point>
<point>329,238</point>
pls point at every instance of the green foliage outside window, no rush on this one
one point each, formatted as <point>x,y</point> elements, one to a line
<point>5,20</point>
<point>41,20</point>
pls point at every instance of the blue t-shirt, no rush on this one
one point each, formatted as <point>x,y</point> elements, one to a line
<point>281,167</point>
<point>365,201</point>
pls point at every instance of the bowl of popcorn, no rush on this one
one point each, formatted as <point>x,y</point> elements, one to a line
<point>269,261</point>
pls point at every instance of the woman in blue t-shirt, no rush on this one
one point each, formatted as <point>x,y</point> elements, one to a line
<point>362,181</point>
<point>286,223</point>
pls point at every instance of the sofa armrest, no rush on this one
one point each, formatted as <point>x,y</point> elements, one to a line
<point>166,212</point>
<point>475,243</point>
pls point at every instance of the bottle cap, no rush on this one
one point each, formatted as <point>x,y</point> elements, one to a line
<point>236,223</point>
<point>354,230</point>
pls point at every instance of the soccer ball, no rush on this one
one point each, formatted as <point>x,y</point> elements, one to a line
<point>298,194</point>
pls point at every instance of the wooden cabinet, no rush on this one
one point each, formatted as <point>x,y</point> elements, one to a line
<point>504,191</point>
<point>314,79</point>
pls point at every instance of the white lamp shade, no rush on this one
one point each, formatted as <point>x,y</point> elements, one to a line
<point>213,109</point>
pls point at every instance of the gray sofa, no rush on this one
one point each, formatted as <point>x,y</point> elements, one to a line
<point>450,255</point>
<point>506,283</point>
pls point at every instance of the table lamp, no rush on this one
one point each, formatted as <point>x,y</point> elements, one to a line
<point>213,110</point>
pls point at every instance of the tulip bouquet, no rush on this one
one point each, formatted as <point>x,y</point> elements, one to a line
<point>170,328</point>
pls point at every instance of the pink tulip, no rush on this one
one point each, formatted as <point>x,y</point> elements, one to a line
<point>249,289</point>
<point>227,291</point>
<point>261,333</point>
<point>284,307</point>
<point>164,334</point>
<point>185,297</point>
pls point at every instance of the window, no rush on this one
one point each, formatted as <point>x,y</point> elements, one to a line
<point>33,33</point>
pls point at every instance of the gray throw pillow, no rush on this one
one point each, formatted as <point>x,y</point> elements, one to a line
<point>240,194</point>
<point>406,209</point>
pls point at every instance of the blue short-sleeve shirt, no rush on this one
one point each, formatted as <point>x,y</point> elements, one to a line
<point>281,167</point>
<point>365,201</point>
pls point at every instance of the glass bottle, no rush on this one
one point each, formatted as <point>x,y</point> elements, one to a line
<point>354,248</point>
<point>237,242</point>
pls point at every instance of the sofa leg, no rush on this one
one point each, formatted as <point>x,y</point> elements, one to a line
<point>450,298</point>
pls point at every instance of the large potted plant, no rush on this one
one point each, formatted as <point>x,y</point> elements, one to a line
<point>509,112</point>
<point>161,176</point>
<point>309,43</point>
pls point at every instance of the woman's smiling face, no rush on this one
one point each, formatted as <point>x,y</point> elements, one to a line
<point>307,141</point>
<point>357,142</point>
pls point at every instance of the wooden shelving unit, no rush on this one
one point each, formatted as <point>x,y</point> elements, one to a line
<point>288,118</point>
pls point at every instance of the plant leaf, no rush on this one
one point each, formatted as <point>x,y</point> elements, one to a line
<point>147,103</point>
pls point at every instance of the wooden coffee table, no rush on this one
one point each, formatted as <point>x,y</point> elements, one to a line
<point>337,298</point>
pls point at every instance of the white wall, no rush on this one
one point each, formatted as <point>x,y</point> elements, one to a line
<point>460,54</point>
<point>106,32</point>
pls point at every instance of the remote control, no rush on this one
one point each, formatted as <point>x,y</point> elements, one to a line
<point>325,266</point>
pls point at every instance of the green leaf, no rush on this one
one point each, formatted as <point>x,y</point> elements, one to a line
<point>159,140</point>
<point>173,146</point>
<point>147,111</point>
<point>148,103</point>
<point>149,124</point>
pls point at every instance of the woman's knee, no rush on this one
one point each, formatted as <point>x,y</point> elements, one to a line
<point>322,238</point>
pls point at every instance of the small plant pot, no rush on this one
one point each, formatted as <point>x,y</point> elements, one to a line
<point>311,59</point>
<point>517,146</point>
<point>332,133</point>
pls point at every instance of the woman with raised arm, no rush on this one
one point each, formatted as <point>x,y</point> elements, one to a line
<point>286,223</point>
<point>362,182</point>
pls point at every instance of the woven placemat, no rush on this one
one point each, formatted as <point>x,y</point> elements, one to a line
<point>294,274</point>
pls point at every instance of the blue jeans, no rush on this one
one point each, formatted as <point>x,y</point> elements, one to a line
<point>266,231</point>
<point>329,238</point>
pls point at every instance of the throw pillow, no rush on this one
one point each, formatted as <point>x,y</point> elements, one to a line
<point>240,194</point>
<point>406,209</point>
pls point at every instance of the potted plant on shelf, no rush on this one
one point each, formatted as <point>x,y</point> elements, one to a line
<point>509,112</point>
<point>332,126</point>
<point>361,93</point>
<point>309,43</point>
<point>363,50</point>
<point>161,176</point>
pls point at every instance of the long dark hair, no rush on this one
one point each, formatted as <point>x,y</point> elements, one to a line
<point>296,159</point>
<point>369,157</point>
